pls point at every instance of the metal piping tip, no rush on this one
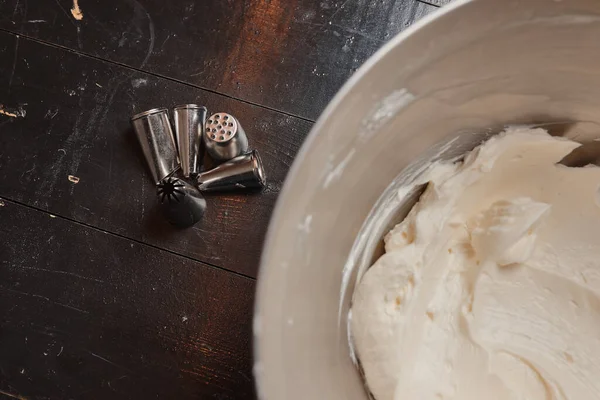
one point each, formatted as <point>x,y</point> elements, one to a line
<point>153,130</point>
<point>181,203</point>
<point>243,172</point>
<point>190,122</point>
<point>224,137</point>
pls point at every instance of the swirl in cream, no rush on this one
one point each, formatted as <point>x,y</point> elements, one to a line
<point>490,288</point>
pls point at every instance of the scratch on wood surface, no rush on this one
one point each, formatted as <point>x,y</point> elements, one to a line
<point>142,201</point>
<point>63,273</point>
<point>43,298</point>
<point>79,42</point>
<point>192,372</point>
<point>110,362</point>
<point>152,37</point>
<point>16,8</point>
<point>14,396</point>
<point>336,12</point>
<point>359,33</point>
<point>51,113</point>
<point>64,12</point>
<point>115,380</point>
<point>76,11</point>
<point>14,66</point>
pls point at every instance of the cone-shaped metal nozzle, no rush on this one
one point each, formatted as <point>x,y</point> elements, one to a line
<point>243,172</point>
<point>181,203</point>
<point>155,135</point>
<point>190,122</point>
<point>224,137</point>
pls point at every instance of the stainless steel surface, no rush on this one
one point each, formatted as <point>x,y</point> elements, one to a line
<point>224,137</point>
<point>153,130</point>
<point>434,92</point>
<point>181,203</point>
<point>189,120</point>
<point>243,172</point>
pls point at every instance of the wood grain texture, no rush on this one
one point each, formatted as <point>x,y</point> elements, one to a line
<point>72,119</point>
<point>119,319</point>
<point>99,297</point>
<point>290,55</point>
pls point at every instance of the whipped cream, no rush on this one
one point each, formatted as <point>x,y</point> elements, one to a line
<point>490,288</point>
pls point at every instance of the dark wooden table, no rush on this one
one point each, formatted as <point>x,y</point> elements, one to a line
<point>99,297</point>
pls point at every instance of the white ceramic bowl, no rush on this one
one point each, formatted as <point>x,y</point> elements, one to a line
<point>468,69</point>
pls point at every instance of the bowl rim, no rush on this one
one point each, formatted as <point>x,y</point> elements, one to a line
<point>310,140</point>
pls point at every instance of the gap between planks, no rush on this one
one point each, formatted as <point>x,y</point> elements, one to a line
<point>429,3</point>
<point>97,229</point>
<point>154,74</point>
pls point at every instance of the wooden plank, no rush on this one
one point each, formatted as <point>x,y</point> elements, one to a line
<point>68,115</point>
<point>86,314</point>
<point>289,55</point>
